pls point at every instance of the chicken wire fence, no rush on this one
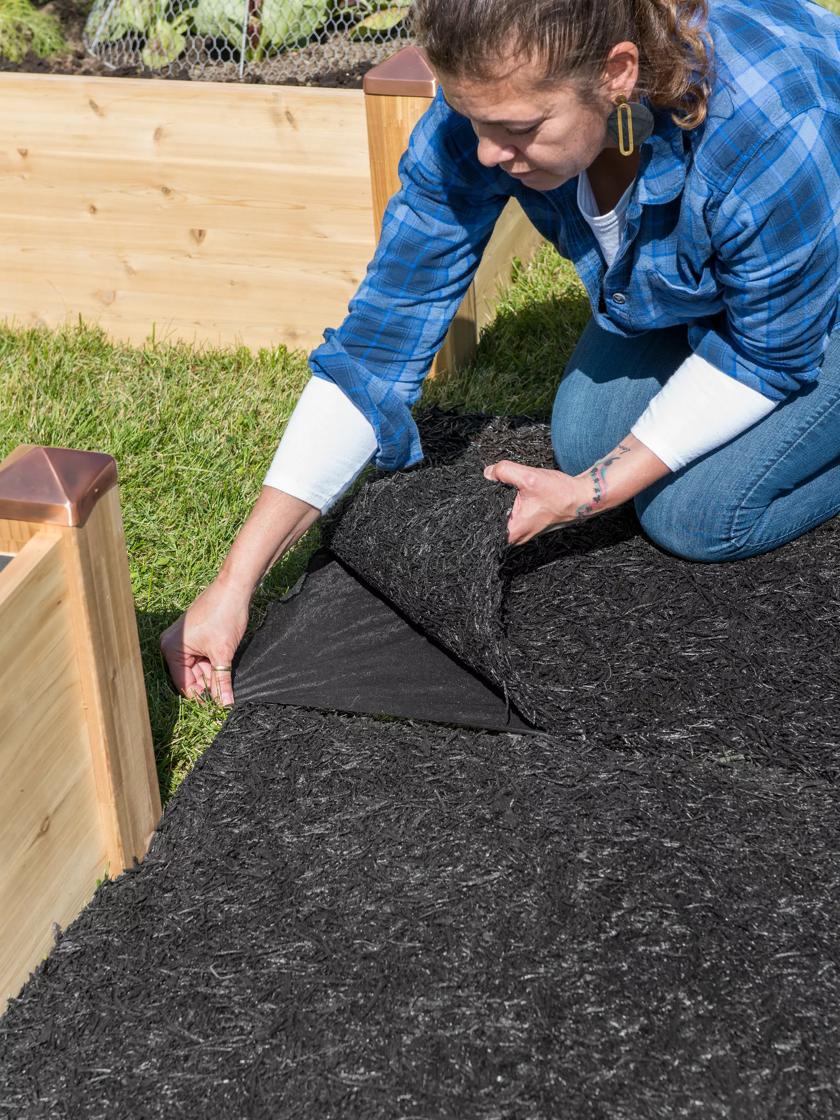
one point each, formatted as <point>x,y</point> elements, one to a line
<point>307,41</point>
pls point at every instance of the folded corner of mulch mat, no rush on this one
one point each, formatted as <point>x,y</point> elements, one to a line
<point>333,644</point>
<point>594,631</point>
<point>630,913</point>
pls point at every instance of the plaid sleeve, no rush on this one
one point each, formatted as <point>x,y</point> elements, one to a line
<point>434,233</point>
<point>777,243</point>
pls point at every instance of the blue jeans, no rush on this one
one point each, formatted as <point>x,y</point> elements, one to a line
<point>764,487</point>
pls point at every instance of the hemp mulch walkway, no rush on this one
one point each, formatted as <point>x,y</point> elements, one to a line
<point>630,915</point>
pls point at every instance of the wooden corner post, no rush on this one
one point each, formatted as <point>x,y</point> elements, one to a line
<point>79,794</point>
<point>397,94</point>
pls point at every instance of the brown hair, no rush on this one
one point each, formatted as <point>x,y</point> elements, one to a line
<point>572,38</point>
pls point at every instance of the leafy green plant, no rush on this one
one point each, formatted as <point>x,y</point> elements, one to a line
<point>275,25</point>
<point>219,19</point>
<point>166,40</point>
<point>380,17</point>
<point>24,28</point>
<point>287,23</point>
<point>127,17</point>
<point>164,34</point>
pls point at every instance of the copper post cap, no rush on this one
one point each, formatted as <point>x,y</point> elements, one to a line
<point>405,74</point>
<point>53,485</point>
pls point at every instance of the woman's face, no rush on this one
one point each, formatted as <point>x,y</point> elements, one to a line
<point>542,136</point>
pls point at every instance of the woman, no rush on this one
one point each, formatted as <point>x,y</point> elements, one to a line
<point>688,163</point>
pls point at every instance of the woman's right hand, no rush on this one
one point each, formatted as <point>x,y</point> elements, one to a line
<point>208,633</point>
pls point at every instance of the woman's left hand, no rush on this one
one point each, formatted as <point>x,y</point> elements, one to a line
<point>545,499</point>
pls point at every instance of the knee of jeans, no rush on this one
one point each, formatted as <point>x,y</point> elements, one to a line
<point>674,526</point>
<point>567,455</point>
<point>570,452</point>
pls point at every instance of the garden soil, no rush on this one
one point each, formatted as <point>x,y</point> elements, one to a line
<point>629,914</point>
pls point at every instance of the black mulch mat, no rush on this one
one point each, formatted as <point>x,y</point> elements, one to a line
<point>633,916</point>
<point>596,633</point>
<point>342,917</point>
<point>332,644</point>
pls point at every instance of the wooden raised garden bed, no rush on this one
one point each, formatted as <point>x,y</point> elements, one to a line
<point>209,212</point>
<point>79,793</point>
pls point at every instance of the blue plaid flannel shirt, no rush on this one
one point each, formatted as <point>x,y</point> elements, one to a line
<point>733,229</point>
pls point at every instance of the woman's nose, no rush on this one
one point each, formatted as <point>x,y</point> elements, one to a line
<point>490,153</point>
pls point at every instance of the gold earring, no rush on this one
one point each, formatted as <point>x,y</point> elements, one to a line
<point>624,125</point>
<point>630,123</point>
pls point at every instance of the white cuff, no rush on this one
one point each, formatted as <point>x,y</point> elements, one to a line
<point>326,445</point>
<point>698,408</point>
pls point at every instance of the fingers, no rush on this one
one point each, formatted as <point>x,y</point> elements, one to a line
<point>204,674</point>
<point>195,676</point>
<point>535,510</point>
<point>179,667</point>
<point>222,688</point>
<point>513,474</point>
<point>520,476</point>
<point>519,528</point>
<point>197,687</point>
<point>213,678</point>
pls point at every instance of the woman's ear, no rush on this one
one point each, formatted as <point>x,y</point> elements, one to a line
<point>622,71</point>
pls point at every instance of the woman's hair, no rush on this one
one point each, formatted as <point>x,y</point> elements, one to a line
<point>572,39</point>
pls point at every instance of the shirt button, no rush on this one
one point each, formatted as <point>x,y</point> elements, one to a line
<point>619,297</point>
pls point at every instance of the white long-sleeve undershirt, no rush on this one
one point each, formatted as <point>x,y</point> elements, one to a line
<point>328,442</point>
<point>326,445</point>
<point>699,407</point>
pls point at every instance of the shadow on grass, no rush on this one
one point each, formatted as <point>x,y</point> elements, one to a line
<point>182,729</point>
<point>164,705</point>
<point>520,359</point>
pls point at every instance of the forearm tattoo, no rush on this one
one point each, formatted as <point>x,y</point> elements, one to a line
<point>597,475</point>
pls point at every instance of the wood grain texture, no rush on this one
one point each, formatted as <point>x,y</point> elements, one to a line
<point>209,212</point>
<point>112,683</point>
<point>78,783</point>
<point>390,121</point>
<point>51,845</point>
<point>15,534</point>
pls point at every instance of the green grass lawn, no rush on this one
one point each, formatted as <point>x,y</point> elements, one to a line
<point>193,434</point>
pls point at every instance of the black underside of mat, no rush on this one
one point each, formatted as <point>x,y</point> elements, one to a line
<point>633,916</point>
<point>334,644</point>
